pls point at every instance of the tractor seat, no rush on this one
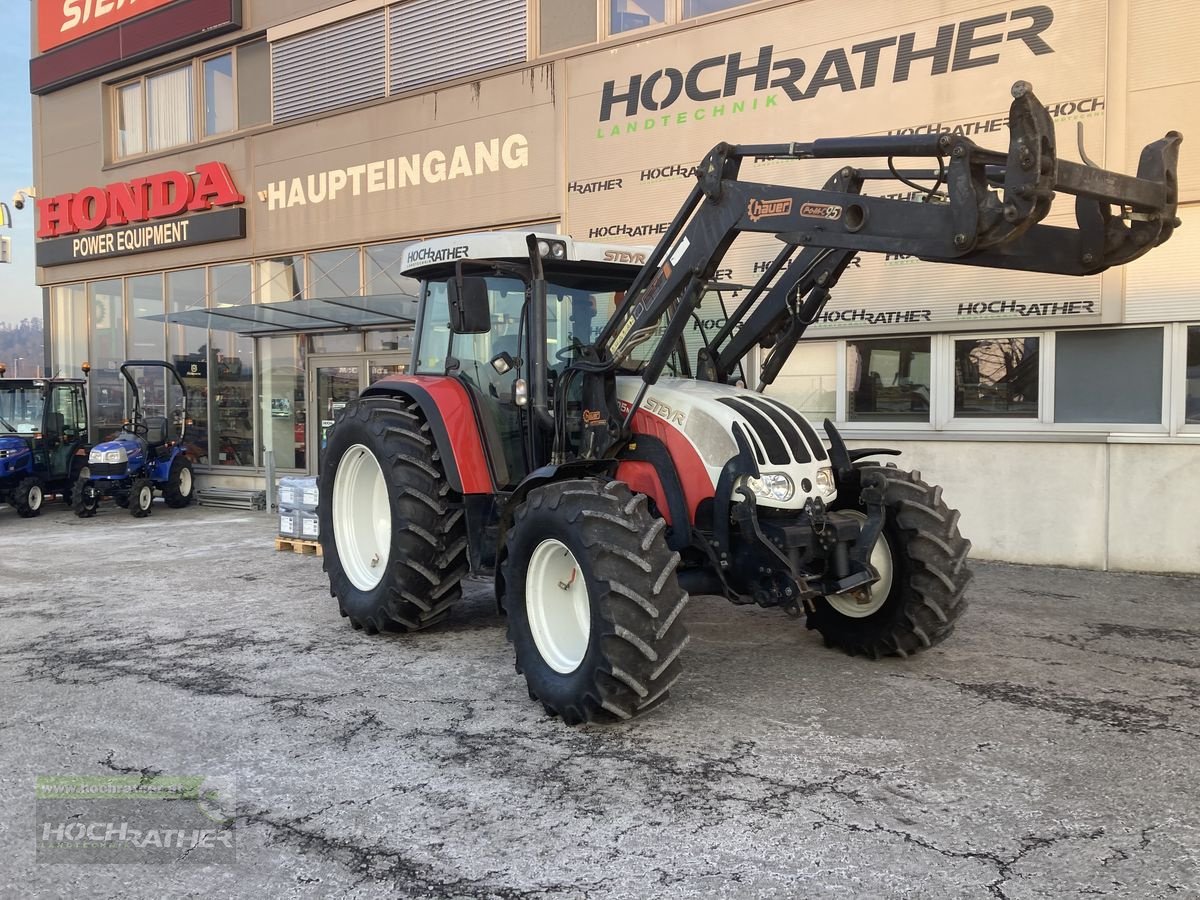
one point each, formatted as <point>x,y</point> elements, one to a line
<point>156,430</point>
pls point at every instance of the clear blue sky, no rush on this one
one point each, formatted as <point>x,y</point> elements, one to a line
<point>20,297</point>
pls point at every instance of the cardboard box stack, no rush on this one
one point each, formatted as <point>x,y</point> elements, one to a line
<point>298,497</point>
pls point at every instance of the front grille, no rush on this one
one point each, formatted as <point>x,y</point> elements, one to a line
<point>108,468</point>
<point>783,433</point>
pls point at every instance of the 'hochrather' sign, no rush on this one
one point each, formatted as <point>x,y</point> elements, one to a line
<point>169,209</point>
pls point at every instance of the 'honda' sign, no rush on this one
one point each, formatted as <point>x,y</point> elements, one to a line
<point>63,21</point>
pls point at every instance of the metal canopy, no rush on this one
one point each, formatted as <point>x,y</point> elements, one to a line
<point>292,316</point>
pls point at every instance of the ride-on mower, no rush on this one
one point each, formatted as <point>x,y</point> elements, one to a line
<point>43,439</point>
<point>148,453</point>
<point>576,428</point>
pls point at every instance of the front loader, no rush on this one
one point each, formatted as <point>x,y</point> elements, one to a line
<point>576,431</point>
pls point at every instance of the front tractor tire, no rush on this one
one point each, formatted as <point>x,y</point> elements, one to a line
<point>85,499</point>
<point>394,546</point>
<point>593,601</point>
<point>921,559</point>
<point>28,497</point>
<point>141,498</point>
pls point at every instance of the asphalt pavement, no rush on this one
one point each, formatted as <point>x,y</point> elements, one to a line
<point>1050,748</point>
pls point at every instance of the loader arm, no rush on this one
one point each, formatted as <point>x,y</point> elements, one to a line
<point>990,215</point>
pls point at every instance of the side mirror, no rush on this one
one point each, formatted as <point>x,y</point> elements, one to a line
<point>469,311</point>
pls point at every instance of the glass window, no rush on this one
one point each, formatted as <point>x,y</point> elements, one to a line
<point>219,107</point>
<point>188,350</point>
<point>20,409</point>
<point>1109,376</point>
<point>233,399</point>
<point>253,84</point>
<point>1192,394</point>
<point>106,302</point>
<point>565,23</point>
<point>808,380</point>
<point>996,378</point>
<point>131,135</point>
<point>68,330</point>
<point>340,342</point>
<point>229,285</point>
<point>169,109</point>
<point>383,263</point>
<point>693,8</point>
<point>281,363</point>
<point>626,15</point>
<point>434,339</point>
<point>147,340</point>
<point>278,280</point>
<point>888,380</point>
<point>333,273</point>
<point>391,339</point>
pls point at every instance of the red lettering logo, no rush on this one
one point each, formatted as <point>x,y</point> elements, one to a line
<point>63,21</point>
<point>140,200</point>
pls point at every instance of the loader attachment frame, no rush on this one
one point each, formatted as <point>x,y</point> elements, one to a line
<point>985,208</point>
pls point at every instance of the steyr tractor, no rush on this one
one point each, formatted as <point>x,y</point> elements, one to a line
<point>148,453</point>
<point>43,439</point>
<point>576,426</point>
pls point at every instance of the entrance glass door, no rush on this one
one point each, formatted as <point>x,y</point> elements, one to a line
<point>336,380</point>
<point>337,383</point>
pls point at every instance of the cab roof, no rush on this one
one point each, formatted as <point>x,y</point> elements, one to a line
<point>427,256</point>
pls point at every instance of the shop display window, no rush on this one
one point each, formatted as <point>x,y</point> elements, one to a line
<point>281,382</point>
<point>106,302</point>
<point>888,380</point>
<point>997,377</point>
<point>188,349</point>
<point>1192,385</point>
<point>68,329</point>
<point>1109,376</point>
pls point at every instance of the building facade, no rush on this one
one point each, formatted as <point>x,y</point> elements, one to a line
<point>229,185</point>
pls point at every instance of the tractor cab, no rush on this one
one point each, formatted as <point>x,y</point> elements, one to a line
<point>43,439</point>
<point>496,361</point>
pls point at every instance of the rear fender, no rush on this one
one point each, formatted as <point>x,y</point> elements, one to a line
<point>447,408</point>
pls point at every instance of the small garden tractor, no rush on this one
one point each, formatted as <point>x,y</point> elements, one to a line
<point>148,453</point>
<point>43,439</point>
<point>576,425</point>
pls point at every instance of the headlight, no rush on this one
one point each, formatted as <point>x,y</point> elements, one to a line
<point>775,486</point>
<point>108,456</point>
<point>825,482</point>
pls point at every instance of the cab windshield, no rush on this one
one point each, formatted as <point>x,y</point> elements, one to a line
<point>21,409</point>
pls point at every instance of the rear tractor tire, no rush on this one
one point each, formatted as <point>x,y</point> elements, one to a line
<point>181,484</point>
<point>393,543</point>
<point>28,497</point>
<point>141,498</point>
<point>593,601</point>
<point>84,499</point>
<point>922,562</point>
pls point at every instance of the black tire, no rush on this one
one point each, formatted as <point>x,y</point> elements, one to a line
<point>427,557</point>
<point>181,483</point>
<point>122,499</point>
<point>141,498</point>
<point>85,500</point>
<point>28,497</point>
<point>929,575</point>
<point>635,633</point>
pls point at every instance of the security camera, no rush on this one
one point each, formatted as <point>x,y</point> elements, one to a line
<point>20,196</point>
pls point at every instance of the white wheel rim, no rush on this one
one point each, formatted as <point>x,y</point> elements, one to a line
<point>362,518</point>
<point>857,607</point>
<point>35,497</point>
<point>556,603</point>
<point>145,497</point>
<point>185,481</point>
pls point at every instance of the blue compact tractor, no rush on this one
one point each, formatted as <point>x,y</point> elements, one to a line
<point>148,453</point>
<point>43,439</point>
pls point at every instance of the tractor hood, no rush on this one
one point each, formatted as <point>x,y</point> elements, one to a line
<point>793,462</point>
<point>14,452</point>
<point>124,450</point>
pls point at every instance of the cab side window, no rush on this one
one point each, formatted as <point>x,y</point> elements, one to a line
<point>67,416</point>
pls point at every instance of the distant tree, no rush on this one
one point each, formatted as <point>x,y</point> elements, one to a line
<point>24,341</point>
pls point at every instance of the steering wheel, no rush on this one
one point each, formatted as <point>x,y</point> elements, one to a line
<point>139,428</point>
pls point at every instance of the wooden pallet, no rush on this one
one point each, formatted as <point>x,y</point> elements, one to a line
<point>312,548</point>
